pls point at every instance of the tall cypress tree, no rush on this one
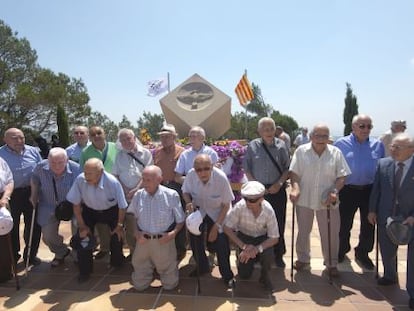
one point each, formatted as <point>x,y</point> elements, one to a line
<point>63,128</point>
<point>350,110</point>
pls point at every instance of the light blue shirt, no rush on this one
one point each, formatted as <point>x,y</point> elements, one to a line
<point>74,151</point>
<point>43,178</point>
<point>186,160</point>
<point>362,158</point>
<point>103,196</point>
<point>21,164</point>
<point>155,213</point>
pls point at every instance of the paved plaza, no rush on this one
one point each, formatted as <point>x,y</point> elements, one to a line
<point>45,288</point>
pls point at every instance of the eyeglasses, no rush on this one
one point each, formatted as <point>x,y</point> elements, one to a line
<point>251,200</point>
<point>363,126</point>
<point>400,147</point>
<point>202,169</point>
<point>79,133</point>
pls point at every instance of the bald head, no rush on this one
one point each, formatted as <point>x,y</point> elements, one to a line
<point>151,178</point>
<point>14,139</point>
<point>93,171</point>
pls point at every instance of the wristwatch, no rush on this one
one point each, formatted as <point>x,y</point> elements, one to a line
<point>120,224</point>
<point>260,248</point>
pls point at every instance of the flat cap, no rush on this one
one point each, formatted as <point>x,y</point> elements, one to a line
<point>252,190</point>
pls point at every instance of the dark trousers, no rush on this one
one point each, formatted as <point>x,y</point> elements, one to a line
<point>91,218</point>
<point>220,246</point>
<point>5,258</point>
<point>278,202</point>
<point>181,236</point>
<point>20,204</point>
<point>350,200</point>
<point>266,258</point>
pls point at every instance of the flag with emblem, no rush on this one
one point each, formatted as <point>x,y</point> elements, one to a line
<point>158,86</point>
<point>244,91</point>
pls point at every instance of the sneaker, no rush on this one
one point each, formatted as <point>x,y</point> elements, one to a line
<point>364,261</point>
<point>299,265</point>
<point>56,262</point>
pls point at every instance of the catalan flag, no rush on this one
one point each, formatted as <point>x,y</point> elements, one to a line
<point>244,91</point>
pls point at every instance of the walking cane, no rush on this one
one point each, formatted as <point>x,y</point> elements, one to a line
<point>13,262</point>
<point>328,211</point>
<point>29,247</point>
<point>376,252</point>
<point>292,242</point>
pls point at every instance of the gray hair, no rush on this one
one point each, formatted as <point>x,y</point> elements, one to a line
<point>199,130</point>
<point>56,152</point>
<point>404,137</point>
<point>266,120</point>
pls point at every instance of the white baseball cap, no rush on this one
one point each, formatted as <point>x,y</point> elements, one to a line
<point>6,221</point>
<point>193,222</point>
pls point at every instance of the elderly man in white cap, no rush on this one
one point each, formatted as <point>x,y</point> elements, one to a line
<point>251,224</point>
<point>397,126</point>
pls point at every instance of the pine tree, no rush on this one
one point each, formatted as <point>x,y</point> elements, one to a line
<point>350,110</point>
<point>63,128</point>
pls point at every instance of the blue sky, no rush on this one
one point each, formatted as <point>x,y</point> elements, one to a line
<point>300,53</point>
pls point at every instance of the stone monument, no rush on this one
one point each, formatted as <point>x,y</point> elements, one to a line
<point>197,102</point>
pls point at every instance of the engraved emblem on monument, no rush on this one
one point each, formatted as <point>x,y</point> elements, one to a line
<point>195,96</point>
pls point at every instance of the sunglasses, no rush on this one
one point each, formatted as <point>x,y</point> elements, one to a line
<point>363,126</point>
<point>96,134</point>
<point>202,169</point>
<point>252,200</point>
<point>399,147</point>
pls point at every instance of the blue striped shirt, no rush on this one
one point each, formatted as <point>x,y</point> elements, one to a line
<point>362,158</point>
<point>21,164</point>
<point>155,213</point>
<point>43,178</point>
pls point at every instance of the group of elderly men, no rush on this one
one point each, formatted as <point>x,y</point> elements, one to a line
<point>130,192</point>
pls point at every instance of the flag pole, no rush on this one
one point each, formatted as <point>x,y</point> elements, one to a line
<point>245,113</point>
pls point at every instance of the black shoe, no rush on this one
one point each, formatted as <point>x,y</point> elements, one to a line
<point>385,282</point>
<point>56,262</point>
<point>34,261</point>
<point>82,278</point>
<point>411,304</point>
<point>101,254</point>
<point>267,284</point>
<point>364,260</point>
<point>128,258</point>
<point>279,262</point>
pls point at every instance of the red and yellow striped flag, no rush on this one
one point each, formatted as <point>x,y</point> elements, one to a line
<point>244,91</point>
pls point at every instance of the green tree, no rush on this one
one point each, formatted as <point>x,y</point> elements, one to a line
<point>257,105</point>
<point>152,122</point>
<point>350,110</point>
<point>125,123</point>
<point>289,124</point>
<point>63,128</point>
<point>29,94</point>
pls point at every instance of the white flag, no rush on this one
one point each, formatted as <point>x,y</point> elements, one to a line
<point>156,87</point>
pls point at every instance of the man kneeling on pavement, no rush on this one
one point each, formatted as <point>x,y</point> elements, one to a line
<point>257,232</point>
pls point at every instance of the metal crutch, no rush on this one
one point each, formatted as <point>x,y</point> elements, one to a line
<point>13,262</point>
<point>376,251</point>
<point>29,247</point>
<point>292,242</point>
<point>328,211</point>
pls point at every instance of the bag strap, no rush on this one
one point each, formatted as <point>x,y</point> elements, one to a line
<point>55,190</point>
<point>272,159</point>
<point>136,159</point>
<point>105,153</point>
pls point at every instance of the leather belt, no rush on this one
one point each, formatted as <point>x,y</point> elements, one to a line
<point>359,187</point>
<point>152,236</point>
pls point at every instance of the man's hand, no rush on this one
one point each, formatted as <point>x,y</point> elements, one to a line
<point>294,195</point>
<point>119,231</point>
<point>212,236</point>
<point>166,237</point>
<point>84,230</point>
<point>274,188</point>
<point>409,220</point>
<point>372,218</point>
<point>249,252</point>
<point>139,236</point>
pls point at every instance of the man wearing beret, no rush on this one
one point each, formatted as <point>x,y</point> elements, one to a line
<point>392,195</point>
<point>251,224</point>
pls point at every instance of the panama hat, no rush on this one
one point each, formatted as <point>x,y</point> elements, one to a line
<point>194,221</point>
